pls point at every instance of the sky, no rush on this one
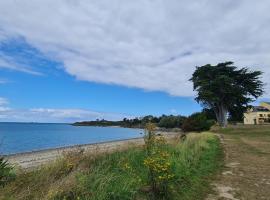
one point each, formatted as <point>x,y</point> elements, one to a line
<point>74,60</point>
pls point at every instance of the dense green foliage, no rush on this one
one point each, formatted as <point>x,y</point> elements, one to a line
<point>224,87</point>
<point>197,122</point>
<point>121,175</point>
<point>171,121</point>
<point>6,173</point>
<point>165,121</point>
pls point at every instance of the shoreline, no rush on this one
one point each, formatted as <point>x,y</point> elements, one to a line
<point>64,147</point>
<point>33,159</point>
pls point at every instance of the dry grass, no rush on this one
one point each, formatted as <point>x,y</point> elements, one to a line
<point>247,170</point>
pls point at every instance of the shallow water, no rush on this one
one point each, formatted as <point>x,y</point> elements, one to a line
<point>24,137</point>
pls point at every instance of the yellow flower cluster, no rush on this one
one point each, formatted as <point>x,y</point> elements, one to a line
<point>159,164</point>
<point>150,127</point>
<point>166,177</point>
<point>70,166</point>
<point>126,166</point>
<point>157,161</point>
<point>160,140</point>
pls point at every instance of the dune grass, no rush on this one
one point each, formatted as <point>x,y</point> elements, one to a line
<point>121,175</point>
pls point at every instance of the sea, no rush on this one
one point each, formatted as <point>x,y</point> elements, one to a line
<point>28,137</point>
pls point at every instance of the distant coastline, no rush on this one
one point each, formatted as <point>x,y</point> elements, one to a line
<point>106,123</point>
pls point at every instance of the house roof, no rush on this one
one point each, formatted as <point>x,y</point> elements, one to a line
<point>260,109</point>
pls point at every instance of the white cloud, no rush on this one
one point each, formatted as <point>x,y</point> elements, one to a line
<point>148,44</point>
<point>55,115</point>
<point>52,115</point>
<point>10,63</point>
<point>173,111</point>
<point>3,101</point>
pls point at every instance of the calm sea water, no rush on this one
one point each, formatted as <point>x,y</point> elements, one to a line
<point>24,137</point>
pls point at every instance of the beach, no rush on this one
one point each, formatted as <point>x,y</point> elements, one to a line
<point>30,160</point>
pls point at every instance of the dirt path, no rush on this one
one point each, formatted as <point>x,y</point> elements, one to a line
<point>246,175</point>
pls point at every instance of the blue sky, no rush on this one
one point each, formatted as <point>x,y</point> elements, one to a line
<point>43,83</point>
<point>72,60</point>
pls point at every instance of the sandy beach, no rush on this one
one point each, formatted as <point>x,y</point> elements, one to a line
<point>34,159</point>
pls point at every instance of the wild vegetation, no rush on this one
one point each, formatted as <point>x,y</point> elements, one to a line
<point>197,122</point>
<point>184,174</point>
<point>6,172</point>
<point>159,165</point>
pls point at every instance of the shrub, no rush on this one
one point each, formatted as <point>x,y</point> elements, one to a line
<point>158,163</point>
<point>6,173</point>
<point>197,122</point>
<point>171,121</point>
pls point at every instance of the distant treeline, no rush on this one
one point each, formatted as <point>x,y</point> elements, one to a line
<point>197,121</point>
<point>162,121</point>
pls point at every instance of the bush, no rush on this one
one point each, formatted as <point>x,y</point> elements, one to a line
<point>6,173</point>
<point>171,121</point>
<point>197,122</point>
<point>157,161</point>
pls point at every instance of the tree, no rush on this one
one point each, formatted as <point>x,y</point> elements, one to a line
<point>223,86</point>
<point>236,113</point>
<point>209,112</point>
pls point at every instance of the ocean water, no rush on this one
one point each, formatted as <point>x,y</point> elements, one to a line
<point>25,137</point>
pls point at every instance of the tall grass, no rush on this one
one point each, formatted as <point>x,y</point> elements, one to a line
<point>6,172</point>
<point>121,175</point>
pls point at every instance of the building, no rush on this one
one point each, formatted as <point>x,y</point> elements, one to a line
<point>258,114</point>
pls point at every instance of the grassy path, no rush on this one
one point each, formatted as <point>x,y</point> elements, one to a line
<point>247,164</point>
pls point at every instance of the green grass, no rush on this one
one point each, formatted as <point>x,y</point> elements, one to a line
<point>246,130</point>
<point>254,137</point>
<point>107,176</point>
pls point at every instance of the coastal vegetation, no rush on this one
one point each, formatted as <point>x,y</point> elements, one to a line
<point>200,121</point>
<point>226,89</point>
<point>164,121</point>
<point>6,172</point>
<point>160,170</point>
<point>197,122</point>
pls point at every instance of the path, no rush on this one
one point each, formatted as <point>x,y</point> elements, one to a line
<point>246,175</point>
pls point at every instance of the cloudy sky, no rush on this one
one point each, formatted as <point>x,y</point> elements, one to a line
<point>67,60</point>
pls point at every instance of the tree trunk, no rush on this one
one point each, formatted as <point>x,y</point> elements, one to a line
<point>221,114</point>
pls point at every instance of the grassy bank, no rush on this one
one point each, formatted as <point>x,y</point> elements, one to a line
<point>121,175</point>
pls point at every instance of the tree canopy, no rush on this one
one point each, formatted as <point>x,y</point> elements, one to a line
<point>224,87</point>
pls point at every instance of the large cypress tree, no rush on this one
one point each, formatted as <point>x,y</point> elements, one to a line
<point>223,86</point>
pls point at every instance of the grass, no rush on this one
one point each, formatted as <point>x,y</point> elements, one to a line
<point>121,175</point>
<point>255,138</point>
